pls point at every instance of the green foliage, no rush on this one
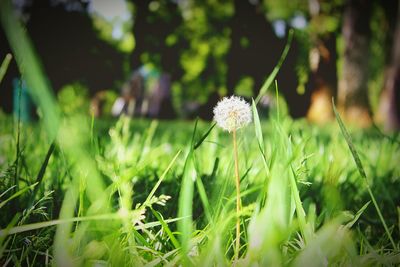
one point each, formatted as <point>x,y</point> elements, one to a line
<point>116,30</point>
<point>284,9</point>
<point>207,46</point>
<point>73,98</point>
<point>302,65</point>
<point>245,87</point>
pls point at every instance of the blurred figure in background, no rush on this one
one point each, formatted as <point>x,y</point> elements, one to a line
<point>159,100</point>
<point>146,94</point>
<point>131,98</point>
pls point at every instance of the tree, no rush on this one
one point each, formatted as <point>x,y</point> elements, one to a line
<point>388,112</point>
<point>352,91</point>
<point>316,23</point>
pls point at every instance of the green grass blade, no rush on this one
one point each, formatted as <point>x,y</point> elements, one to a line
<point>17,194</point>
<point>149,139</point>
<point>204,198</point>
<point>361,171</point>
<point>3,241</point>
<point>259,134</point>
<point>101,217</point>
<point>194,134</point>
<point>358,215</point>
<point>39,225</point>
<point>17,149</point>
<point>166,228</point>
<point>61,254</point>
<point>277,100</point>
<point>8,190</point>
<point>161,178</point>
<point>141,239</point>
<point>4,65</point>
<point>275,71</point>
<point>201,140</point>
<point>301,215</point>
<point>185,202</point>
<point>185,206</point>
<point>42,170</point>
<point>349,142</point>
<point>154,224</point>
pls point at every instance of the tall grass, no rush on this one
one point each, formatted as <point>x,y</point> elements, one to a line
<point>140,193</point>
<point>289,215</point>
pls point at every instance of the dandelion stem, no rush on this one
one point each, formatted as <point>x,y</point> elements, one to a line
<point>237,247</point>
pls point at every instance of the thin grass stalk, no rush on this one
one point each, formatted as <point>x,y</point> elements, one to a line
<point>16,176</point>
<point>361,171</point>
<point>235,152</point>
<point>275,71</point>
<point>39,177</point>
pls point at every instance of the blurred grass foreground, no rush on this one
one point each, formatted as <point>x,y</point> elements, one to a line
<point>81,191</point>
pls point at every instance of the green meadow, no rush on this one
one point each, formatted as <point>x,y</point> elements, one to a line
<point>150,193</point>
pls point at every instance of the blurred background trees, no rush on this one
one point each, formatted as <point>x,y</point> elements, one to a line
<point>356,33</point>
<point>342,48</point>
<point>388,112</point>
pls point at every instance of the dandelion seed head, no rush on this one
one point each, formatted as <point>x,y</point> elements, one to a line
<point>232,113</point>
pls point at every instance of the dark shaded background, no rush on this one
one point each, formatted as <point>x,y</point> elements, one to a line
<point>71,50</point>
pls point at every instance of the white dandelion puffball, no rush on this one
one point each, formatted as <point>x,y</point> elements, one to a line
<point>232,113</point>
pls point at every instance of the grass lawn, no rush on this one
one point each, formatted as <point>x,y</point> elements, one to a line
<point>138,192</point>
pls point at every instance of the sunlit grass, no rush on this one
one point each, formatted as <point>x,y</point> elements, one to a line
<point>304,197</point>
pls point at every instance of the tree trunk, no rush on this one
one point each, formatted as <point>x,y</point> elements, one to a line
<point>352,91</point>
<point>323,79</point>
<point>388,112</point>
